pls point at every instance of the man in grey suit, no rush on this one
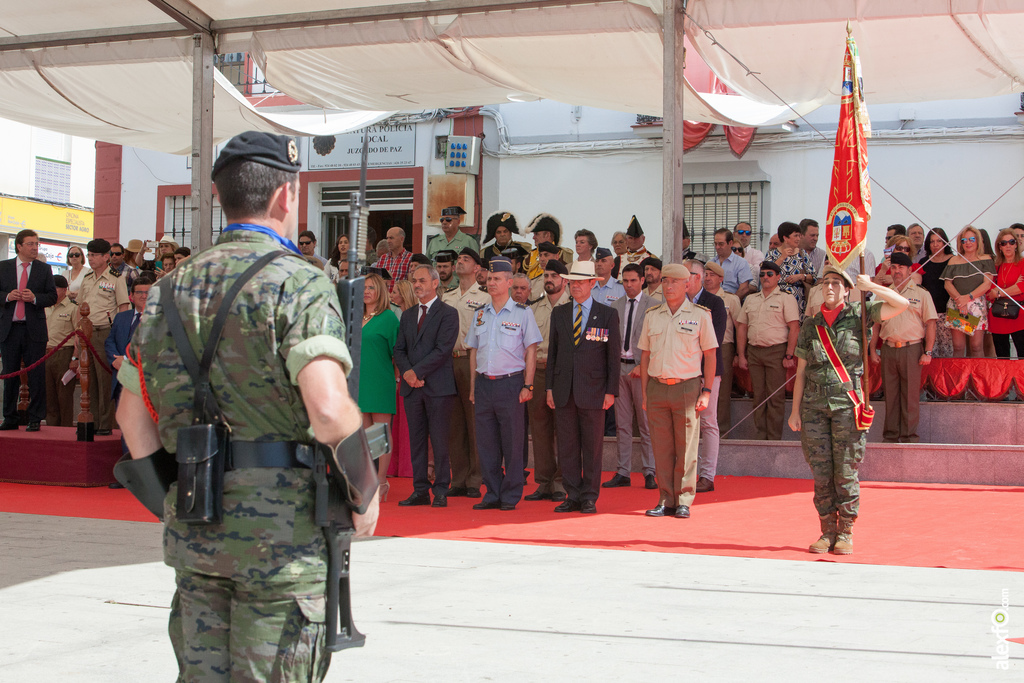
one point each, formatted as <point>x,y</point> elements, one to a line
<point>423,354</point>
<point>631,309</point>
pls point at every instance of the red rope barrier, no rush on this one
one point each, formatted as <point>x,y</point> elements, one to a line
<point>95,357</point>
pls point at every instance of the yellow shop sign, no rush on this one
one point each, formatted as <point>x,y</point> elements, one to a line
<point>60,222</point>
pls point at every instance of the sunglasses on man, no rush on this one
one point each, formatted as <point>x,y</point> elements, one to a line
<point>742,232</point>
<point>768,273</point>
<point>304,243</point>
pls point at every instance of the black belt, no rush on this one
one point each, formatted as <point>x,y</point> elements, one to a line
<point>246,454</point>
<point>511,374</point>
<point>628,361</point>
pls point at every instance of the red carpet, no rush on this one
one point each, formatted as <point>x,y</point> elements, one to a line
<point>918,525</point>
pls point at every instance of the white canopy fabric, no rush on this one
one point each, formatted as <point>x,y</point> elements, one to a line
<point>378,56</point>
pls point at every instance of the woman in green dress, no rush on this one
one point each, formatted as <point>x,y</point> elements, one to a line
<point>376,364</point>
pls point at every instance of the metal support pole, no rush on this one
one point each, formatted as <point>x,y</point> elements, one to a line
<point>202,141</point>
<point>672,152</point>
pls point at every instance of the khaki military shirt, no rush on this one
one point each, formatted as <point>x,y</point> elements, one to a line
<point>466,303</point>
<point>59,323</point>
<point>656,293</point>
<point>537,288</point>
<point>285,317</point>
<point>459,242</point>
<point>105,293</point>
<point>732,306</point>
<point>542,313</point>
<point>768,317</point>
<point>908,326</point>
<point>677,341</point>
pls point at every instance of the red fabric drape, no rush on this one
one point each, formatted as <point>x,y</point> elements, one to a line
<point>694,133</point>
<point>989,378</point>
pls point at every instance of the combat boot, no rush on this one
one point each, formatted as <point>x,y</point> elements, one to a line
<point>828,535</point>
<point>844,537</point>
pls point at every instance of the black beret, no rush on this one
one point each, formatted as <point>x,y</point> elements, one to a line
<point>556,266</point>
<point>453,211</point>
<point>98,246</point>
<point>446,256</point>
<point>383,272</point>
<point>471,253</point>
<point>899,258</point>
<point>548,248</point>
<point>602,252</point>
<point>514,251</point>
<point>771,265</point>
<point>420,259</point>
<point>60,281</point>
<point>652,262</point>
<point>276,151</point>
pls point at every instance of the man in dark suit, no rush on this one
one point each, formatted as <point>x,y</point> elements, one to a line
<point>423,354</point>
<point>26,289</point>
<point>582,382</point>
<point>629,403</point>
<point>123,327</point>
<point>710,436</point>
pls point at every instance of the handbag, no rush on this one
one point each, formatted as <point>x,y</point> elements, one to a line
<point>1004,307</point>
<point>863,414</point>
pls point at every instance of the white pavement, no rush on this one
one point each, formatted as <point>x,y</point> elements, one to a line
<point>86,601</point>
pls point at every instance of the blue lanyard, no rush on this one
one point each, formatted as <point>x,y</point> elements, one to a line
<point>284,242</point>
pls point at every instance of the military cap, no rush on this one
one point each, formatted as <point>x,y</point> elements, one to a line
<point>832,270</point>
<point>383,272</point>
<point>421,259</point>
<point>548,248</point>
<point>546,222</point>
<point>634,229</point>
<point>514,251</point>
<point>500,219</point>
<point>499,264</point>
<point>447,255</point>
<point>556,266</point>
<point>715,268</point>
<point>602,252</point>
<point>676,270</point>
<point>98,246</point>
<point>771,265</point>
<point>453,211</point>
<point>651,261</point>
<point>471,253</point>
<point>60,281</point>
<point>276,151</point>
<point>898,258</point>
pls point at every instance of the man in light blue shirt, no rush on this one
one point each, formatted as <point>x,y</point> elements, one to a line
<point>502,342</point>
<point>606,289</point>
<point>738,279</point>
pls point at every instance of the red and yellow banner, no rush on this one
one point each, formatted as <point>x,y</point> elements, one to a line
<point>849,200</point>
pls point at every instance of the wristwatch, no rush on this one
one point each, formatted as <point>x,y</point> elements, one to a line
<point>528,387</point>
<point>789,356</point>
<point>703,389</point>
<point>927,353</point>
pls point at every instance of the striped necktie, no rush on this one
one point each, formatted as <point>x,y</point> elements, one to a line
<point>577,325</point>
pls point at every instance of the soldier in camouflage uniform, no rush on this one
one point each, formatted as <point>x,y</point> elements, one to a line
<point>833,446</point>
<point>250,600</point>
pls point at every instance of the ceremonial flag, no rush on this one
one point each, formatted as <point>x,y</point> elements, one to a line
<point>849,201</point>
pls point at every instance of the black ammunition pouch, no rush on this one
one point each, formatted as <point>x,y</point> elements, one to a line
<point>203,446</point>
<point>148,479</point>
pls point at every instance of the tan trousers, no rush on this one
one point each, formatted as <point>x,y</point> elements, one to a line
<point>60,397</point>
<point>101,405</point>
<point>465,462</point>
<point>672,415</point>
<point>901,379</point>
<point>542,432</point>
<point>767,375</point>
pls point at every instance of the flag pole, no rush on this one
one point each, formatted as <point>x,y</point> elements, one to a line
<point>865,350</point>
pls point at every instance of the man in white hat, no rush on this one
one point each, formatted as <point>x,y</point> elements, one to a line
<point>583,358</point>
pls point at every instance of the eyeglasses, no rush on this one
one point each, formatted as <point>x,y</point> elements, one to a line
<point>742,232</point>
<point>905,250</point>
<point>768,273</point>
<point>1011,243</point>
<point>968,239</point>
<point>304,244</point>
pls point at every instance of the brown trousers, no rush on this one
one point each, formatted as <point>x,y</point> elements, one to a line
<point>767,375</point>
<point>60,397</point>
<point>672,416</point>
<point>901,380</point>
<point>542,432</point>
<point>465,462</point>
<point>101,405</point>
<point>725,391</point>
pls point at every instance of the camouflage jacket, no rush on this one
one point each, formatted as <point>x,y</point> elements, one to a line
<point>823,387</point>
<point>284,317</point>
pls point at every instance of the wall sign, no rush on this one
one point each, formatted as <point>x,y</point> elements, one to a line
<point>391,144</point>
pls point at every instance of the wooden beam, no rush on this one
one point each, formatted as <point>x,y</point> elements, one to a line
<point>672,152</point>
<point>202,141</point>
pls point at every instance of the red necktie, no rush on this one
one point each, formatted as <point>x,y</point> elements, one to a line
<point>19,308</point>
<point>423,316</point>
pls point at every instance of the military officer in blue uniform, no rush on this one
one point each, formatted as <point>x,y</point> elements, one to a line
<point>606,288</point>
<point>502,342</point>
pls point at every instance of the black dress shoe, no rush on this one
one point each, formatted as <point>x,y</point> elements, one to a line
<point>487,506</point>
<point>682,512</point>
<point>659,511</point>
<point>508,506</point>
<point>32,427</point>
<point>558,496</point>
<point>588,507</point>
<point>538,495</point>
<point>568,506</point>
<point>8,425</point>
<point>616,481</point>
<point>472,492</point>
<point>104,432</point>
<point>416,499</point>
<point>457,492</point>
<point>650,482</point>
<point>440,502</point>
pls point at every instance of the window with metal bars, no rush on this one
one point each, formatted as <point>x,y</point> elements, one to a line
<point>178,219</point>
<point>710,206</point>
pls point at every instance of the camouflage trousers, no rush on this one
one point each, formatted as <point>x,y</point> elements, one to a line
<point>250,602</point>
<point>834,448</point>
